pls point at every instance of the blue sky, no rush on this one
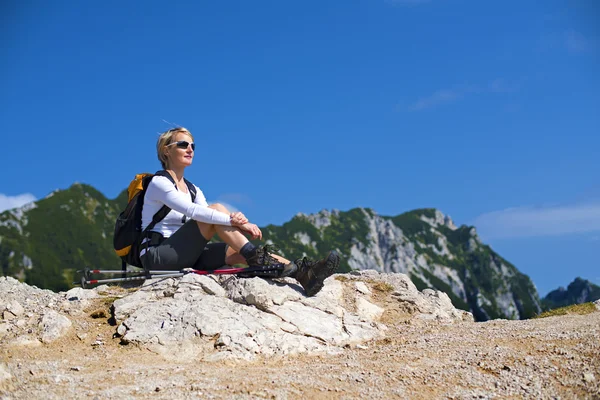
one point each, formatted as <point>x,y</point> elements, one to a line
<point>486,111</point>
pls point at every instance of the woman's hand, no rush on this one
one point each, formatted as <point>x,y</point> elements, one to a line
<point>238,219</point>
<point>252,229</point>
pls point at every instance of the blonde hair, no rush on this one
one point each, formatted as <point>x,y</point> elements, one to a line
<point>165,139</point>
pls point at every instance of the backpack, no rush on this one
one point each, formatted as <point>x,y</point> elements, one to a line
<point>128,227</point>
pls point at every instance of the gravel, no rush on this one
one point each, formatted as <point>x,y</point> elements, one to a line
<point>555,357</point>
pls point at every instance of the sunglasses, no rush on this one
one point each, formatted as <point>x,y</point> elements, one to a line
<point>182,144</point>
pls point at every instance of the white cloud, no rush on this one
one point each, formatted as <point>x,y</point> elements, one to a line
<point>450,95</point>
<point>540,221</point>
<point>8,202</point>
<point>239,198</point>
<point>224,204</point>
<point>228,199</point>
<point>439,97</point>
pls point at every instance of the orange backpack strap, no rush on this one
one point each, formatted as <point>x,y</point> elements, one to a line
<point>136,185</point>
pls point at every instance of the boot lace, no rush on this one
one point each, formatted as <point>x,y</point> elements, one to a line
<point>263,254</point>
<point>305,262</point>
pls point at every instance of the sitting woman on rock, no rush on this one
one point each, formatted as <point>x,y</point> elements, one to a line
<point>174,243</point>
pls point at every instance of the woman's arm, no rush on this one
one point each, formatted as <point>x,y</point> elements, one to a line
<point>162,190</point>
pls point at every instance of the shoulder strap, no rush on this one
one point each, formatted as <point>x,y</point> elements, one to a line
<point>164,210</point>
<point>191,188</point>
<point>189,184</point>
<point>164,173</point>
<point>162,213</point>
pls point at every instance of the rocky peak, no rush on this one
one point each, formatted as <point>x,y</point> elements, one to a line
<point>436,218</point>
<point>427,245</point>
<point>321,219</point>
<point>579,291</point>
<point>20,211</point>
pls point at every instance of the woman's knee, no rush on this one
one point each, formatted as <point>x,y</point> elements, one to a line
<point>207,230</point>
<point>219,207</point>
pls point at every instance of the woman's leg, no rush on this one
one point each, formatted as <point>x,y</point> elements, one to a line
<point>234,257</point>
<point>310,275</point>
<point>232,236</point>
<point>229,234</point>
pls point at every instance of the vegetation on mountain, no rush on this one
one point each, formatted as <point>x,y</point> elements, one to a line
<point>65,232</point>
<point>579,309</point>
<point>344,231</point>
<point>482,271</point>
<point>46,243</point>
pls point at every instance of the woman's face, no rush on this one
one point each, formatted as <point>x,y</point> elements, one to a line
<point>179,151</point>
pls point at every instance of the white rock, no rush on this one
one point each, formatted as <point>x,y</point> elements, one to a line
<point>128,304</point>
<point>312,322</point>
<point>7,315</point>
<point>26,341</point>
<point>208,284</point>
<point>329,299</point>
<point>53,326</point>
<point>260,316</point>
<point>15,308</point>
<point>102,289</point>
<point>367,310</point>
<point>597,304</point>
<point>262,293</point>
<point>286,327</point>
<point>121,330</point>
<point>362,288</point>
<point>80,294</point>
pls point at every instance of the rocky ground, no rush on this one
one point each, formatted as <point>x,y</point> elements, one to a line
<point>59,346</point>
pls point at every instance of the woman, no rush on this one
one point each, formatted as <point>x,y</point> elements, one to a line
<point>181,239</point>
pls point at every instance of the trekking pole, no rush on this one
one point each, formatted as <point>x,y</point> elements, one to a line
<point>86,278</point>
<point>116,271</point>
<point>86,282</point>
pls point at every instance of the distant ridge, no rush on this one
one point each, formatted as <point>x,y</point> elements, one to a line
<point>579,291</point>
<point>46,242</point>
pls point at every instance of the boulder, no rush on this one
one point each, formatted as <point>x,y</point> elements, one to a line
<point>215,317</point>
<point>428,304</point>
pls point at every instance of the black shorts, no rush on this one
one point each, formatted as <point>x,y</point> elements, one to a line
<point>186,248</point>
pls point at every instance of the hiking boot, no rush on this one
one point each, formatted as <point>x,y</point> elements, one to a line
<point>262,257</point>
<point>311,274</point>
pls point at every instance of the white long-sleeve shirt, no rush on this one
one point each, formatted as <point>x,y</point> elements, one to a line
<point>161,191</point>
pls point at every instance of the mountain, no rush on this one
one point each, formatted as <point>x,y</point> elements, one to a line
<point>46,242</point>
<point>424,244</point>
<point>579,291</point>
